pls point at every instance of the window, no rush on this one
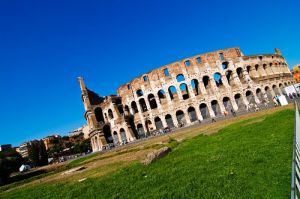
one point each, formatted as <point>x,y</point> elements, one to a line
<point>139,93</point>
<point>187,63</point>
<point>145,78</point>
<point>180,78</point>
<point>128,86</point>
<point>198,59</point>
<point>221,56</point>
<point>166,72</point>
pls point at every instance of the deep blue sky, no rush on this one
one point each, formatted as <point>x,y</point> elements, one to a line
<point>44,46</point>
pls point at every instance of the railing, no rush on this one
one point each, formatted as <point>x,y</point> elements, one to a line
<point>295,179</point>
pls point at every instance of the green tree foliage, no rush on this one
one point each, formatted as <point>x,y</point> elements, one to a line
<point>10,161</point>
<point>37,153</point>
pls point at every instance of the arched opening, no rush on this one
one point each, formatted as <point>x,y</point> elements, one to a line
<point>126,108</point>
<point>140,130</point>
<point>229,78</point>
<point>115,138</point>
<point>240,75</point>
<point>139,93</point>
<point>259,94</point>
<point>227,104</point>
<point>110,114</point>
<point>207,85</point>
<point>134,107</point>
<point>218,80</point>
<point>172,92</point>
<point>169,121</point>
<point>152,101</point>
<point>281,87</point>
<point>180,78</point>
<point>158,123</point>
<point>204,111</point>
<point>184,91</point>
<point>162,96</point>
<point>239,101</point>
<point>180,117</point>
<point>215,107</point>
<point>149,125</point>
<point>269,93</point>
<point>285,84</point>
<point>275,89</point>
<point>225,65</point>
<point>192,114</point>
<point>143,105</point>
<point>195,86</point>
<point>107,134</point>
<point>250,97</point>
<point>99,115</point>
<point>123,136</point>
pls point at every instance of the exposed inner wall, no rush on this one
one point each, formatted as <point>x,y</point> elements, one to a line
<point>183,92</point>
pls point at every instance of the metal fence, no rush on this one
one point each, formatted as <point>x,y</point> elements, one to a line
<point>295,180</point>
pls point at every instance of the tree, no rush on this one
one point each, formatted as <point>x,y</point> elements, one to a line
<point>10,161</point>
<point>37,153</point>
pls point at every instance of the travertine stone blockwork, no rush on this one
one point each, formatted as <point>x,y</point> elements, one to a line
<point>184,92</point>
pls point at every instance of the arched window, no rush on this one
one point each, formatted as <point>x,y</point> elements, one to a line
<point>145,78</point>
<point>218,79</point>
<point>139,93</point>
<point>134,107</point>
<point>99,114</point>
<point>143,105</point>
<point>110,114</point>
<point>225,65</point>
<point>195,86</point>
<point>184,91</point>
<point>180,78</point>
<point>152,101</point>
<point>172,92</point>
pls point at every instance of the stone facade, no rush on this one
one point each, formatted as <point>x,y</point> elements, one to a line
<point>296,73</point>
<point>182,93</point>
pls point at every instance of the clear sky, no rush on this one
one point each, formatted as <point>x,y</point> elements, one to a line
<point>45,45</point>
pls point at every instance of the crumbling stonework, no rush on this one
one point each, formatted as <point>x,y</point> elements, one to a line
<point>181,93</point>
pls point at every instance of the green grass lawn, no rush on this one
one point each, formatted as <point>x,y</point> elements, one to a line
<point>249,159</point>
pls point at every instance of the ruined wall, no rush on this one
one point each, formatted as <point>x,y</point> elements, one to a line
<point>193,89</point>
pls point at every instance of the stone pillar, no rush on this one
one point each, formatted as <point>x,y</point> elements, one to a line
<point>129,134</point>
<point>198,113</point>
<point>164,123</point>
<point>202,88</point>
<point>187,118</point>
<point>222,107</point>
<point>179,93</point>
<point>210,110</point>
<point>119,137</point>
<point>233,103</point>
<point>174,118</point>
<point>191,91</point>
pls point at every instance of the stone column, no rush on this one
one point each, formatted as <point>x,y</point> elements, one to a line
<point>164,123</point>
<point>191,91</point>
<point>202,88</point>
<point>174,118</point>
<point>233,103</point>
<point>198,113</point>
<point>210,110</point>
<point>129,134</point>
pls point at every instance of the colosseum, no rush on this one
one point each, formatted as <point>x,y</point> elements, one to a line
<point>185,92</point>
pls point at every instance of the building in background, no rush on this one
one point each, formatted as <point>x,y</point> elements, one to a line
<point>296,73</point>
<point>5,147</point>
<point>50,140</point>
<point>23,148</point>
<point>84,129</point>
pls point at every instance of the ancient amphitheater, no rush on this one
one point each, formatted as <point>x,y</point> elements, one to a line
<point>182,93</point>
